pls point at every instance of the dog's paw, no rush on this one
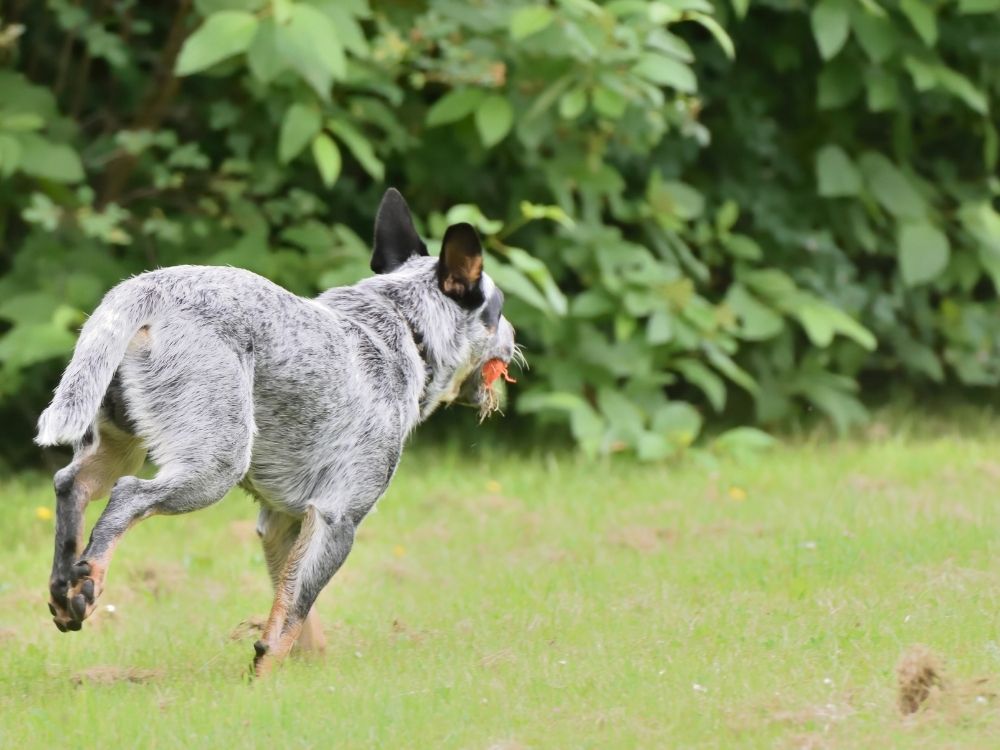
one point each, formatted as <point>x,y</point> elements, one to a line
<point>74,600</point>
<point>59,607</point>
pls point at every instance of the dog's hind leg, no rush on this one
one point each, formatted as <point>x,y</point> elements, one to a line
<point>194,410</point>
<point>278,532</point>
<point>322,545</point>
<point>95,467</point>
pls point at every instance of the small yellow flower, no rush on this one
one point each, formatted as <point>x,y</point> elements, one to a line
<point>399,550</point>
<point>43,514</point>
<point>737,493</point>
<point>493,486</point>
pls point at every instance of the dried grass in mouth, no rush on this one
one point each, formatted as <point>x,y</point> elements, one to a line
<point>488,404</point>
<point>918,673</point>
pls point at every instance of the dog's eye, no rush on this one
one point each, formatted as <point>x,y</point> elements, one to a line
<point>491,310</point>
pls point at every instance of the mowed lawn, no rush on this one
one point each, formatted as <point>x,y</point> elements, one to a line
<point>547,602</point>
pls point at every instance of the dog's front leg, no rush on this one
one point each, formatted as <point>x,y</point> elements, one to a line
<point>321,547</point>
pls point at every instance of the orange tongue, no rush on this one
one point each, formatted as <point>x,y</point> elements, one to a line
<point>493,370</point>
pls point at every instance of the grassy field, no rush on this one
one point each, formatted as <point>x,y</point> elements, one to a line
<point>547,602</point>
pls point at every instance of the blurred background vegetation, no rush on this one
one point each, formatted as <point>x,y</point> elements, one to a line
<point>728,212</point>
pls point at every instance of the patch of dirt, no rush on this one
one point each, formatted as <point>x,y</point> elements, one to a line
<point>990,468</point>
<point>865,483</point>
<point>643,539</point>
<point>918,673</point>
<point>111,675</point>
<point>927,694</point>
<point>158,579</point>
<point>825,713</point>
<point>403,632</point>
<point>7,634</point>
<point>252,626</point>
<point>502,656</point>
<point>507,745</point>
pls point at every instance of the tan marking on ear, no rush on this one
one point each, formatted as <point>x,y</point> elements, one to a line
<point>464,272</point>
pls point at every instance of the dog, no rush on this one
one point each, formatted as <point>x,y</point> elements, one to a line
<point>223,378</point>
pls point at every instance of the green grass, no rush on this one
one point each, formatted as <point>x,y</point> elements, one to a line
<point>548,602</point>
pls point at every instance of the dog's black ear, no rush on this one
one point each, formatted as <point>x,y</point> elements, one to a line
<point>460,266</point>
<point>395,238</point>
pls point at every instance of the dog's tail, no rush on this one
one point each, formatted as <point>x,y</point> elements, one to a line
<point>99,351</point>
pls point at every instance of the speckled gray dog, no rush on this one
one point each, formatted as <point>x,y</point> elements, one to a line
<point>224,378</point>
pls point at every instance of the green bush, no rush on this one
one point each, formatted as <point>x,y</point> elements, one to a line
<point>697,209</point>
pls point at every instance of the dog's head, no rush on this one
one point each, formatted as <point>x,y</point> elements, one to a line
<point>452,305</point>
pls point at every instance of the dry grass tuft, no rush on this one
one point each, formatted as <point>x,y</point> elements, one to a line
<point>110,675</point>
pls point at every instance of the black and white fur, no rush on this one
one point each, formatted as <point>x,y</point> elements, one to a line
<point>224,379</point>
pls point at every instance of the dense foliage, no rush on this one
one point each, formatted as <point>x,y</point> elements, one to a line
<point>732,208</point>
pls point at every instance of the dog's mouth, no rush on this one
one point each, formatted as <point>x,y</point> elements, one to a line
<point>487,392</point>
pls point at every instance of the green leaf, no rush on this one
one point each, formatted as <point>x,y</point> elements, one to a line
<point>530,20</point>
<point>822,321</point>
<point>50,161</point>
<point>921,15</point>
<point>453,106</point>
<point>836,175</point>
<point>660,328</point>
<point>969,7</point>
<point>651,446</point>
<point>675,198</point>
<point>957,84</point>
<point>517,284</point>
<point>713,28</point>
<point>625,417</point>
<point>923,252</point>
<point>758,322</point>
<point>678,421</point>
<point>830,26</point>
<point>608,102</point>
<point>725,364</point>
<point>327,158</point>
<point>572,103</point>
<point>359,146</point>
<point>882,89</point>
<point>222,35</point>
<point>539,273</point>
<point>28,344</point>
<point>310,45</point>
<point>704,379</point>
<point>839,84</point>
<point>666,71</point>
<point>263,56</point>
<point>301,124</point>
<point>470,213</point>
<point>21,121</point>
<point>10,155</point>
<point>891,187</point>
<point>743,441</point>
<point>877,35</point>
<point>494,118</point>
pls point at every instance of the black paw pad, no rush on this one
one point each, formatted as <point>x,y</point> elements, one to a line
<point>79,606</point>
<point>260,648</point>
<point>74,625</point>
<point>81,569</point>
<point>52,609</point>
<point>61,625</point>
<point>88,590</point>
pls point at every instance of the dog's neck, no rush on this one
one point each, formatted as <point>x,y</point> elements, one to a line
<point>430,324</point>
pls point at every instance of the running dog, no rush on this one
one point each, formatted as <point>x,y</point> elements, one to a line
<point>223,378</point>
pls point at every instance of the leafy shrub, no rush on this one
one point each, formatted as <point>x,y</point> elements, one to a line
<point>697,209</point>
